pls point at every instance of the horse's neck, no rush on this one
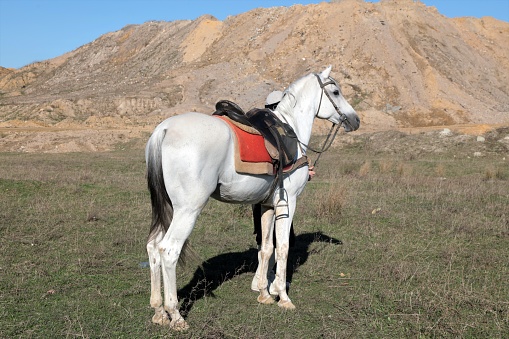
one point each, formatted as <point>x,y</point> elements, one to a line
<point>300,117</point>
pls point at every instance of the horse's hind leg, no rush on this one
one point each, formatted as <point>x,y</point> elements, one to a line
<point>170,249</point>
<point>160,317</point>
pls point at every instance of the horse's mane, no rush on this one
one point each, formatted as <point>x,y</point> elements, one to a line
<point>288,102</point>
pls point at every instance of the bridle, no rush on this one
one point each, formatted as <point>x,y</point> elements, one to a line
<point>335,127</point>
<point>330,137</point>
<point>330,81</point>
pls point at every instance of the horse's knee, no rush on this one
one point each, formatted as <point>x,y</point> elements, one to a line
<point>169,256</point>
<point>152,248</point>
<point>283,250</point>
<point>266,251</point>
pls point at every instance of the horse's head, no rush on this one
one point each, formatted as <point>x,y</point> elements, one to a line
<point>333,106</point>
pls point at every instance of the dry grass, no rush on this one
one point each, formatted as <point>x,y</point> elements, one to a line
<point>330,202</point>
<point>365,168</point>
<point>385,166</point>
<point>494,173</point>
<point>388,246</point>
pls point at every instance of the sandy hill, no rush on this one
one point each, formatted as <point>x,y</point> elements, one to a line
<point>401,64</point>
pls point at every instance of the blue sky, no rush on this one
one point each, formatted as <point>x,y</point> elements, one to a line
<point>36,30</point>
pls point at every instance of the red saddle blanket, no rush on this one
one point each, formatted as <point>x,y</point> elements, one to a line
<point>251,155</point>
<point>251,146</point>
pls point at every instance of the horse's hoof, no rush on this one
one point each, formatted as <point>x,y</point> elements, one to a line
<point>287,305</point>
<point>179,325</point>
<point>267,300</point>
<point>161,319</point>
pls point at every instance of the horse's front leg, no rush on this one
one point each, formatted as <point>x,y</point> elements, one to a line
<point>284,215</point>
<point>264,254</point>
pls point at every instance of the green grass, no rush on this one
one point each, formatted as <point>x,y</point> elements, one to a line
<point>388,245</point>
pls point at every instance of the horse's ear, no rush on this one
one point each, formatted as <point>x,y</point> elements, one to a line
<point>326,72</point>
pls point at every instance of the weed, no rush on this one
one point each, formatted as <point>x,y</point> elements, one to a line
<point>494,173</point>
<point>365,169</point>
<point>440,170</point>
<point>329,206</point>
<point>404,169</point>
<point>385,165</point>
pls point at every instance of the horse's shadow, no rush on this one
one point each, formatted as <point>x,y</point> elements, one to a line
<point>217,270</point>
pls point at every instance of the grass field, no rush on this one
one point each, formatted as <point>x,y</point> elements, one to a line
<point>390,244</point>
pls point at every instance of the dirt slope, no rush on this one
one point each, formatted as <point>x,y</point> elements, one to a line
<point>401,64</point>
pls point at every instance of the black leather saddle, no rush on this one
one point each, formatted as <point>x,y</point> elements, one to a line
<point>279,134</point>
<point>232,110</point>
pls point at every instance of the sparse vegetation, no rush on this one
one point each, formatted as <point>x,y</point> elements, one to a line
<point>402,247</point>
<point>397,236</point>
<point>493,173</point>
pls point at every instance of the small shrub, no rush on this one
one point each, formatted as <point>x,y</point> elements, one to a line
<point>385,166</point>
<point>494,173</point>
<point>404,170</point>
<point>365,169</point>
<point>331,204</point>
<point>440,170</point>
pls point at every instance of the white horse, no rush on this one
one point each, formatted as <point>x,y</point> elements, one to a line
<point>190,157</point>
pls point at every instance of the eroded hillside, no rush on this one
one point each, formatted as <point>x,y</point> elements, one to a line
<point>401,64</point>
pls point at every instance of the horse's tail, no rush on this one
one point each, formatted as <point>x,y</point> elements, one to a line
<point>162,207</point>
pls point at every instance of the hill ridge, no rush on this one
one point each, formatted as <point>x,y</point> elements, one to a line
<point>400,63</point>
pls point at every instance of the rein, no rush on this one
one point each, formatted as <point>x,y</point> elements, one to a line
<point>332,135</point>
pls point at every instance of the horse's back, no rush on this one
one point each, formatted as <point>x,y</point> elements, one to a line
<point>196,146</point>
<point>196,133</point>
<point>198,127</point>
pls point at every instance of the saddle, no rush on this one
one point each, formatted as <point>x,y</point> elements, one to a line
<point>280,139</point>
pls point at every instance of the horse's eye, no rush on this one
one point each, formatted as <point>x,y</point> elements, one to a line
<point>336,92</point>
